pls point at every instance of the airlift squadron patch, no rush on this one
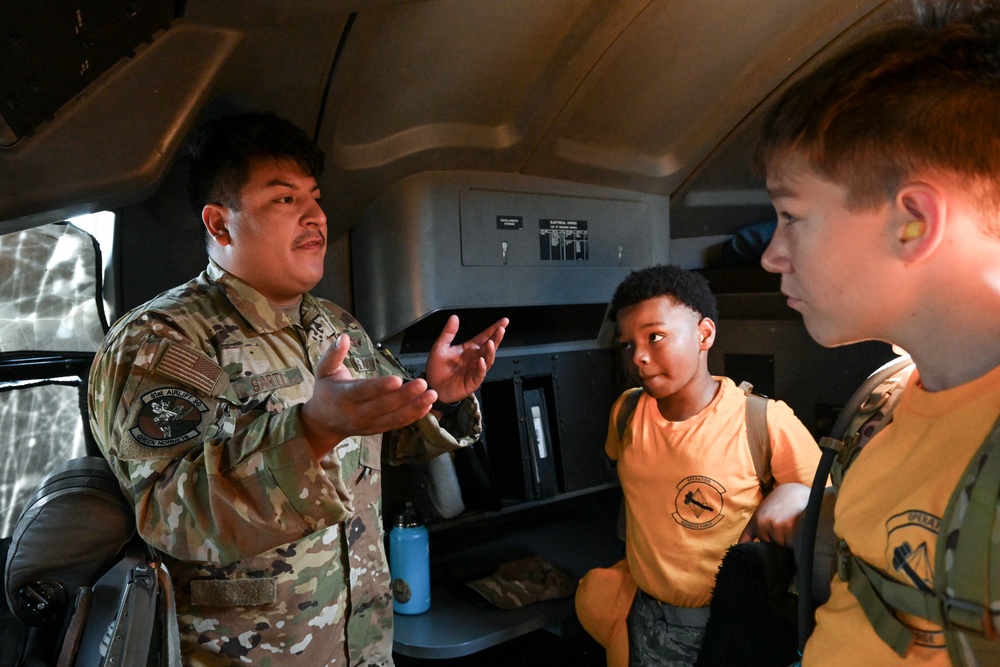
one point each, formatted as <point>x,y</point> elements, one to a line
<point>698,502</point>
<point>168,416</point>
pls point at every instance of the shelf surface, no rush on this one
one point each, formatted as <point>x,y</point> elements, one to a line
<point>454,626</point>
<point>460,622</point>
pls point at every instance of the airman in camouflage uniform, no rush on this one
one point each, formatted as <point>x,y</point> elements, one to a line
<point>199,400</point>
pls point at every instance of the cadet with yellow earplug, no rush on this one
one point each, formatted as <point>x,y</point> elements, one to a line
<point>884,168</point>
<point>914,229</point>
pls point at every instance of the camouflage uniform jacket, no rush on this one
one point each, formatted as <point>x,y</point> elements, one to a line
<point>195,400</point>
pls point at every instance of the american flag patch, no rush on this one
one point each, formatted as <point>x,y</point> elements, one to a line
<point>189,367</point>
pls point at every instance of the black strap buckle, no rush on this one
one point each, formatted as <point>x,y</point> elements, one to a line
<point>968,617</point>
<point>843,559</point>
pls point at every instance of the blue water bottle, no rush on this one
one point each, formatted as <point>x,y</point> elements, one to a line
<point>409,562</point>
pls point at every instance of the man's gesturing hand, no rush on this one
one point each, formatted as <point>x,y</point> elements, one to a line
<point>455,371</point>
<point>342,406</point>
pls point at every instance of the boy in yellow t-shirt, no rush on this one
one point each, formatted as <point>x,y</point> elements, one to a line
<point>686,472</point>
<point>884,168</point>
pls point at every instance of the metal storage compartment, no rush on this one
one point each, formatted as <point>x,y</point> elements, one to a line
<point>473,241</point>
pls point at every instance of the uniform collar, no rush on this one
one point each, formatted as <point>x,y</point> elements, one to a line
<point>259,313</point>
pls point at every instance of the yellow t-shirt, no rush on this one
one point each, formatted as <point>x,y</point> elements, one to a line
<point>690,487</point>
<point>889,510</point>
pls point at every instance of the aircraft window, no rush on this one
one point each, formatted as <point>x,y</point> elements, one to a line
<point>101,226</point>
<point>51,323</point>
<point>48,290</point>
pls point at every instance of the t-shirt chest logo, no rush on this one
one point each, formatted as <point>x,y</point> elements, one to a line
<point>699,501</point>
<point>910,547</point>
<point>168,417</point>
<point>910,551</point>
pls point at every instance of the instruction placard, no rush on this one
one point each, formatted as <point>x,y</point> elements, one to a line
<point>510,222</point>
<point>563,240</point>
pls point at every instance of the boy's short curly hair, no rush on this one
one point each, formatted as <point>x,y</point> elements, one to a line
<point>221,152</point>
<point>685,287</point>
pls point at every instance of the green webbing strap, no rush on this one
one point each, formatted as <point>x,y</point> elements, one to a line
<point>846,450</point>
<point>964,556</point>
<point>963,551</point>
<point>889,628</point>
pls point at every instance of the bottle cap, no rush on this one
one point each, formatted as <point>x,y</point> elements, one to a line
<point>408,517</point>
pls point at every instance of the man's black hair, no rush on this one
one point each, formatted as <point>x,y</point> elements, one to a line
<point>222,150</point>
<point>685,287</point>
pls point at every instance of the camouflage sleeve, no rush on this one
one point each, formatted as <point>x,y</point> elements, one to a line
<point>209,482</point>
<point>429,437</point>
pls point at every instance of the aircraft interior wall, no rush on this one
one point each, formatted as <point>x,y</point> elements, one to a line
<point>493,158</point>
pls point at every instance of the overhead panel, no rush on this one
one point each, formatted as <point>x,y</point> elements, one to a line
<point>501,228</point>
<point>485,244</point>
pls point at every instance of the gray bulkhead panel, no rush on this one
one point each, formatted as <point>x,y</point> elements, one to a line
<point>467,240</point>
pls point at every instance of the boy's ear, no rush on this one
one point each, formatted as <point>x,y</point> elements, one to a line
<point>216,221</point>
<point>706,333</point>
<point>919,220</point>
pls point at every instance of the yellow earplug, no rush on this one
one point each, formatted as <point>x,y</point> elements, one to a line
<point>914,229</point>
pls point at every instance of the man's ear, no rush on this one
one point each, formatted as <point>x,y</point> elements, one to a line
<point>920,216</point>
<point>216,220</point>
<point>706,333</point>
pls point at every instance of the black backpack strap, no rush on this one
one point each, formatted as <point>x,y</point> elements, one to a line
<point>757,434</point>
<point>628,406</point>
<point>867,411</point>
<point>622,419</point>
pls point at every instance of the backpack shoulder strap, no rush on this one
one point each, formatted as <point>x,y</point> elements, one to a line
<point>959,602</point>
<point>867,412</point>
<point>758,436</point>
<point>967,552</point>
<point>967,565</point>
<point>628,406</point>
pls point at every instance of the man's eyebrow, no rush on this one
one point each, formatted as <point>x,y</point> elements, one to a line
<point>278,183</point>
